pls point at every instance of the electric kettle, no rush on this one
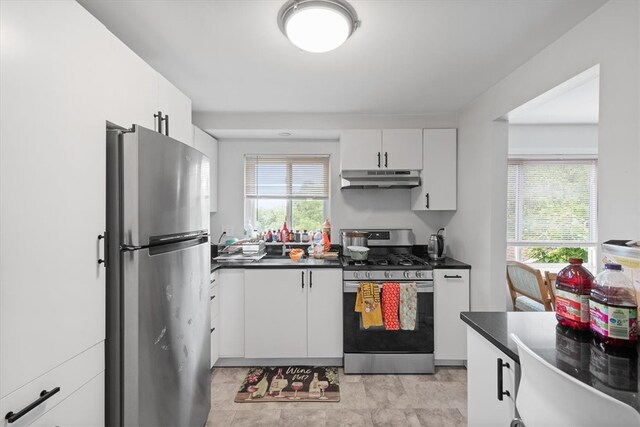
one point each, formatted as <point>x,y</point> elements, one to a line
<point>435,248</point>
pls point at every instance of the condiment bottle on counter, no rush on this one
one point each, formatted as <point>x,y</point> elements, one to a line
<point>285,232</point>
<point>326,227</point>
<point>278,236</point>
<point>573,288</point>
<point>614,309</point>
<point>269,237</point>
<point>304,237</point>
<point>326,242</point>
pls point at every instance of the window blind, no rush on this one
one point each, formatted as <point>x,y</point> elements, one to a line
<point>551,201</point>
<point>286,177</point>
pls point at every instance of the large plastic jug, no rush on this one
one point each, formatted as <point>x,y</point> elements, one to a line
<point>573,288</point>
<point>614,309</point>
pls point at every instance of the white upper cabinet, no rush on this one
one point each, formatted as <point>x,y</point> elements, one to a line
<point>402,149</point>
<point>132,93</point>
<point>388,149</point>
<point>176,105</point>
<point>207,144</point>
<point>438,190</point>
<point>361,149</point>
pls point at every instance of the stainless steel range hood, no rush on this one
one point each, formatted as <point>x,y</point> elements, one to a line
<point>380,179</point>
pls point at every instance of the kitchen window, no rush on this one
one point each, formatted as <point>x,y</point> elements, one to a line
<point>295,187</point>
<point>552,212</point>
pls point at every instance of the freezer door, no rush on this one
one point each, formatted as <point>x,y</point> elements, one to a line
<point>166,335</point>
<point>164,187</point>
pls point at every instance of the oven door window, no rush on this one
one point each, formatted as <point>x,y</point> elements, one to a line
<point>357,339</point>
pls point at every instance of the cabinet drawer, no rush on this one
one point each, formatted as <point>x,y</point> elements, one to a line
<point>84,408</point>
<point>213,280</point>
<point>69,376</point>
<point>215,302</point>
<point>215,342</point>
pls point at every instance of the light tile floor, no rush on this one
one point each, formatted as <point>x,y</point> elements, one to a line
<point>365,400</point>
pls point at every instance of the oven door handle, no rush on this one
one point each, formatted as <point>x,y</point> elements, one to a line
<point>423,287</point>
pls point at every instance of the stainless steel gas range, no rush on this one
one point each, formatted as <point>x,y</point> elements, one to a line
<point>377,349</point>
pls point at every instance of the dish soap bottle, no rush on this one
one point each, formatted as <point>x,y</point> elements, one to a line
<point>573,288</point>
<point>614,309</point>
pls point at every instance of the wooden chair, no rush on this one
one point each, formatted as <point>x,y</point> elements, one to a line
<point>550,282</point>
<point>527,288</point>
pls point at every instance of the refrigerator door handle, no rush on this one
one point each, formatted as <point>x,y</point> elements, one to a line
<point>129,248</point>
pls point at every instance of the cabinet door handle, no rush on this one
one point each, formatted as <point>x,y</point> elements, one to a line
<point>378,159</point>
<point>212,297</point>
<point>386,164</point>
<point>166,125</point>
<point>457,276</point>
<point>12,417</point>
<point>502,392</point>
<point>213,329</point>
<point>105,247</point>
<point>427,205</point>
<point>158,118</point>
<point>310,279</point>
<point>302,281</point>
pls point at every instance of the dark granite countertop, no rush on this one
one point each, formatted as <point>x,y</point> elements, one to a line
<point>279,263</point>
<point>614,373</point>
<point>447,263</point>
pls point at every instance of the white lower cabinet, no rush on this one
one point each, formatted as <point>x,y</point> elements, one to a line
<point>70,376</point>
<point>231,291</point>
<point>483,383</point>
<point>80,409</point>
<point>293,313</point>
<point>451,297</point>
<point>214,297</point>
<point>324,313</point>
<point>275,311</point>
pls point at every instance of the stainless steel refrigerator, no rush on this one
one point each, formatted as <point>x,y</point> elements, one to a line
<point>158,263</point>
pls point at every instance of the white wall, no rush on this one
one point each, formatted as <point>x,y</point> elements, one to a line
<point>553,140</point>
<point>351,208</point>
<point>608,37</point>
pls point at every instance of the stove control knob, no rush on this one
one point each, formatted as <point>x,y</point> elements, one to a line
<point>406,274</point>
<point>387,274</point>
<point>419,274</point>
<point>356,274</point>
<point>368,274</point>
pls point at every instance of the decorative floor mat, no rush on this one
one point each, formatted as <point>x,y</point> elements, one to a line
<point>290,384</point>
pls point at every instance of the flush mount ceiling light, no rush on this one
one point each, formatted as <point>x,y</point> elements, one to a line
<point>317,25</point>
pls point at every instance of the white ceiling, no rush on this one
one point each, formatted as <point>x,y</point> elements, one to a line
<point>277,134</point>
<point>408,57</point>
<point>578,105</point>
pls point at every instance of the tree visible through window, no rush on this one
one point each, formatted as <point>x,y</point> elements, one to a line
<point>551,210</point>
<point>295,187</point>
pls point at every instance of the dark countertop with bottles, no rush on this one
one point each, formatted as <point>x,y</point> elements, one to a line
<point>613,372</point>
<point>285,262</point>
